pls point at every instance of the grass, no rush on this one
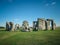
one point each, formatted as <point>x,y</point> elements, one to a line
<point>30,38</point>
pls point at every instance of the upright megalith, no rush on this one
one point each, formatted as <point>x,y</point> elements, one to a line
<point>52,24</point>
<point>47,25</point>
<point>41,23</point>
<point>17,27</point>
<point>44,24</point>
<point>25,26</point>
<point>30,29</point>
<point>35,28</point>
<point>9,26</point>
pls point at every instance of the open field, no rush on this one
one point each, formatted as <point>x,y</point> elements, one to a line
<point>30,38</point>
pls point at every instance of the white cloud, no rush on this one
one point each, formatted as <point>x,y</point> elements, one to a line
<point>50,4</point>
<point>53,3</point>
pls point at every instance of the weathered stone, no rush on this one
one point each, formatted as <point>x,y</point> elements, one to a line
<point>41,24</point>
<point>52,23</point>
<point>30,29</point>
<point>35,26</point>
<point>25,26</point>
<point>9,26</point>
<point>17,26</point>
<point>54,26</point>
<point>48,25</point>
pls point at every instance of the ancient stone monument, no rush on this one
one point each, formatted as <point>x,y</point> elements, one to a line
<point>30,29</point>
<point>47,25</point>
<point>9,26</point>
<point>44,24</point>
<point>25,26</point>
<point>17,27</point>
<point>35,27</point>
<point>40,24</point>
<point>54,26</point>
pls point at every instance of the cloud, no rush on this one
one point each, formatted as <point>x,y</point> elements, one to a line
<point>53,3</point>
<point>50,4</point>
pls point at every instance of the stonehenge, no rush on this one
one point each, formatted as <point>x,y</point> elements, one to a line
<point>9,26</point>
<point>35,25</point>
<point>54,26</point>
<point>17,26</point>
<point>44,24</point>
<point>25,26</point>
<point>40,24</point>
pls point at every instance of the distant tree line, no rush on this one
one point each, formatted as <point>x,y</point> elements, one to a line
<point>2,27</point>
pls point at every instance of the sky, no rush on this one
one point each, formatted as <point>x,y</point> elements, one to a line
<point>19,10</point>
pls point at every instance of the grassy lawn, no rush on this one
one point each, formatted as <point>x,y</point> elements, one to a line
<point>30,38</point>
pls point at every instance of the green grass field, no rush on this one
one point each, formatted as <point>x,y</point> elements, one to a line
<point>30,38</point>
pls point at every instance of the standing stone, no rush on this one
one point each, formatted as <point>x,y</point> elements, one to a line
<point>11,26</point>
<point>41,24</point>
<point>52,23</point>
<point>35,26</point>
<point>30,29</point>
<point>48,25</point>
<point>17,26</point>
<point>25,26</point>
<point>7,26</point>
<point>54,26</point>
